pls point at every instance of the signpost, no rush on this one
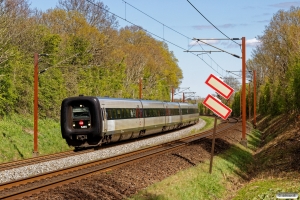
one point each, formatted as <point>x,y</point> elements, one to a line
<point>219,86</point>
<point>215,105</point>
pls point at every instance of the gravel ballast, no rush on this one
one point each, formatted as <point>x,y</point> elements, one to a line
<point>49,166</point>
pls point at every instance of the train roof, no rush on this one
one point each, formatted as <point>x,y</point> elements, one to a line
<point>133,100</point>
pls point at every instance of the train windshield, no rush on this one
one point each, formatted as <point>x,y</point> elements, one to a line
<point>81,112</point>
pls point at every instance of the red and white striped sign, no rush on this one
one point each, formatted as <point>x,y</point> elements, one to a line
<point>217,106</point>
<point>219,86</point>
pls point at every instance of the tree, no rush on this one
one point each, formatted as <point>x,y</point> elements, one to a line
<point>275,61</point>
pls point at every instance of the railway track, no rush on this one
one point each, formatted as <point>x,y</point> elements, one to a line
<point>45,158</point>
<point>37,184</point>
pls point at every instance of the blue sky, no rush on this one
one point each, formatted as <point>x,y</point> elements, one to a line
<point>178,22</point>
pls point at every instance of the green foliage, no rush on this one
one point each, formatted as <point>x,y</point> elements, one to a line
<point>201,108</point>
<point>8,93</point>
<point>81,60</point>
<point>236,109</point>
<point>78,48</point>
<point>276,61</point>
<point>294,85</point>
<point>265,99</point>
<point>51,47</point>
<point>51,93</point>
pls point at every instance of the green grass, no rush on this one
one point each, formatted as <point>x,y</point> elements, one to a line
<point>209,124</point>
<point>16,138</point>
<point>197,183</point>
<point>273,169</point>
<point>268,188</point>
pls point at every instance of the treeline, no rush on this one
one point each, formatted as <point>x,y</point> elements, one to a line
<point>277,64</point>
<point>87,53</point>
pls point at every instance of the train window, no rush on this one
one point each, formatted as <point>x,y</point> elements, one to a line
<point>126,113</point>
<point>162,112</point>
<point>108,111</point>
<point>114,114</point>
<point>119,114</point>
<point>81,112</point>
<point>150,113</point>
<point>155,113</point>
<point>185,111</point>
<point>81,117</point>
<point>132,111</point>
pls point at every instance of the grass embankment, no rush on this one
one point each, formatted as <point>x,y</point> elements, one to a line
<point>241,173</point>
<point>276,166</point>
<point>16,138</point>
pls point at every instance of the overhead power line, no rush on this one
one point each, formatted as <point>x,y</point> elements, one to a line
<point>177,33</point>
<point>198,40</point>
<point>156,34</point>
<point>213,24</point>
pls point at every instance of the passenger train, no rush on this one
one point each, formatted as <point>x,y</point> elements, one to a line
<point>90,121</point>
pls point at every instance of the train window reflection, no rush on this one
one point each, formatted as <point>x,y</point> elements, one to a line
<point>81,112</point>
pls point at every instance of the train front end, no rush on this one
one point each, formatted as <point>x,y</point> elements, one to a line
<point>81,121</point>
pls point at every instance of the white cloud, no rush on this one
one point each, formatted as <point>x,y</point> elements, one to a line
<point>286,4</point>
<point>252,42</point>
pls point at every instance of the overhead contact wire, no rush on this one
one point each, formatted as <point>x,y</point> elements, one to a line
<point>212,23</point>
<point>155,34</point>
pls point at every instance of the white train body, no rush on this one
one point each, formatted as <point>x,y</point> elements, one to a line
<point>90,121</point>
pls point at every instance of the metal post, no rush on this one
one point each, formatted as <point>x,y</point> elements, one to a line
<point>35,129</point>
<point>213,146</point>
<point>244,140</point>
<point>254,98</point>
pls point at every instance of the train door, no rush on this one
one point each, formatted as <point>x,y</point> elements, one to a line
<point>167,114</point>
<point>180,113</point>
<point>138,115</point>
<point>104,119</point>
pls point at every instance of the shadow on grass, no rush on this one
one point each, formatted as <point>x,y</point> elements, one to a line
<point>150,196</point>
<point>239,158</point>
<point>254,140</point>
<point>280,147</point>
